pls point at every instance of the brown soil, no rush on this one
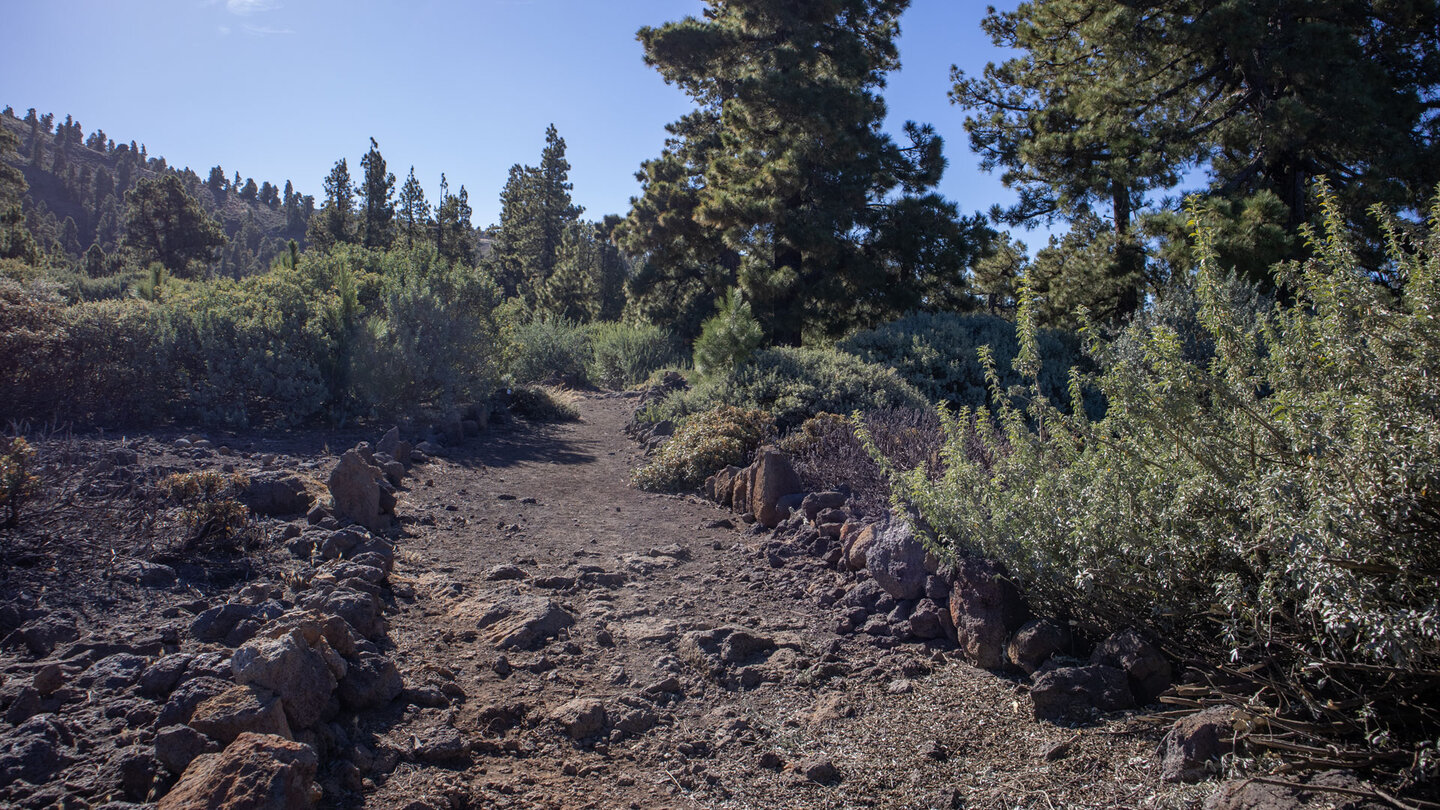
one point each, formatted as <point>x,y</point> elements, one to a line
<point>905,726</point>
<point>902,725</point>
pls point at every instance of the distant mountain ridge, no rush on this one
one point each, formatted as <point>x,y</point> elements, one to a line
<point>77,184</point>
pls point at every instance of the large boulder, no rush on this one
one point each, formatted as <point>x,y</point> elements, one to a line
<point>1192,748</point>
<point>277,493</point>
<point>773,479</point>
<point>1146,667</point>
<point>361,492</point>
<point>857,545</point>
<point>721,485</point>
<point>985,609</point>
<point>514,622</point>
<point>292,669</point>
<point>370,681</point>
<point>256,772</point>
<point>1034,643</point>
<point>896,559</point>
<point>1077,693</point>
<point>35,751</point>
<point>238,710</point>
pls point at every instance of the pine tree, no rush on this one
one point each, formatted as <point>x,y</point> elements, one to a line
<point>165,224</point>
<point>454,237</point>
<point>15,240</point>
<point>572,291</point>
<point>1109,102</point>
<point>250,192</point>
<point>535,212</point>
<point>335,223</point>
<point>414,210</point>
<point>796,175</point>
<point>377,207</point>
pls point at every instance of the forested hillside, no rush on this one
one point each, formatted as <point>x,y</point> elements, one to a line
<point>1205,412</point>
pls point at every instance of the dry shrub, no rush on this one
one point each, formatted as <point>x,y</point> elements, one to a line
<point>704,443</point>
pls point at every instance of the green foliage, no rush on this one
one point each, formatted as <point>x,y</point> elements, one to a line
<point>939,354</point>
<point>794,384</point>
<point>430,339</point>
<point>729,338</point>
<point>1269,480</point>
<point>377,209</point>
<point>17,484</point>
<point>335,224</point>
<point>535,211</point>
<point>622,355</point>
<point>547,349</point>
<point>784,182</point>
<point>351,330</point>
<point>704,443</point>
<point>164,223</point>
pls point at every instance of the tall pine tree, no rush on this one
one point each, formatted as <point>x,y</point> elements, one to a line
<point>377,208</point>
<point>335,222</point>
<point>797,177</point>
<point>535,211</point>
<point>414,210</point>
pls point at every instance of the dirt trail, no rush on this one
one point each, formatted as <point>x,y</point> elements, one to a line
<point>772,709</point>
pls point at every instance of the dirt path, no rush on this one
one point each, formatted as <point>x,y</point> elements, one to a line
<point>721,680</point>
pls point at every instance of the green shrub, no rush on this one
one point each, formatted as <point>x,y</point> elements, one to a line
<point>793,385</point>
<point>548,350</point>
<point>32,339</point>
<point>729,338</point>
<point>938,353</point>
<point>1274,485</point>
<point>703,444</point>
<point>429,340</point>
<point>622,355</point>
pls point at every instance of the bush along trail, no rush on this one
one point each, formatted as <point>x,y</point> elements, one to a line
<point>496,616</point>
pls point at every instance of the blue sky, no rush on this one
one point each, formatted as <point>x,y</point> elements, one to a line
<point>280,89</point>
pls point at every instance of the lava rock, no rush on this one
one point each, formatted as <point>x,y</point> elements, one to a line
<point>256,772</point>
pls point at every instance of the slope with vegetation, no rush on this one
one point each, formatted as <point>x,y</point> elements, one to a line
<point>1214,421</point>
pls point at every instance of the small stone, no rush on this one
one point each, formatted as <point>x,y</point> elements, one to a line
<point>819,770</point>
<point>580,718</point>
<point>48,679</point>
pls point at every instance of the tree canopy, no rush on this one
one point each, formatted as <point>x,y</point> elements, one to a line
<point>163,223</point>
<point>784,172</point>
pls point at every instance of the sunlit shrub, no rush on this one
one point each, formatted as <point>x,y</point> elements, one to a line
<point>210,508</point>
<point>622,354</point>
<point>548,350</point>
<point>542,403</point>
<point>1270,481</point>
<point>793,385</point>
<point>703,444</point>
<point>430,340</point>
<point>938,353</point>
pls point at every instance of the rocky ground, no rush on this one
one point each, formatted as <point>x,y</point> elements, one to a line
<point>538,634</point>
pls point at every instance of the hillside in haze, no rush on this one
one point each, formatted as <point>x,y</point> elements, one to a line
<point>78,180</point>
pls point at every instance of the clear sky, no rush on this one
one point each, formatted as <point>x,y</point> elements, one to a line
<point>280,89</point>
